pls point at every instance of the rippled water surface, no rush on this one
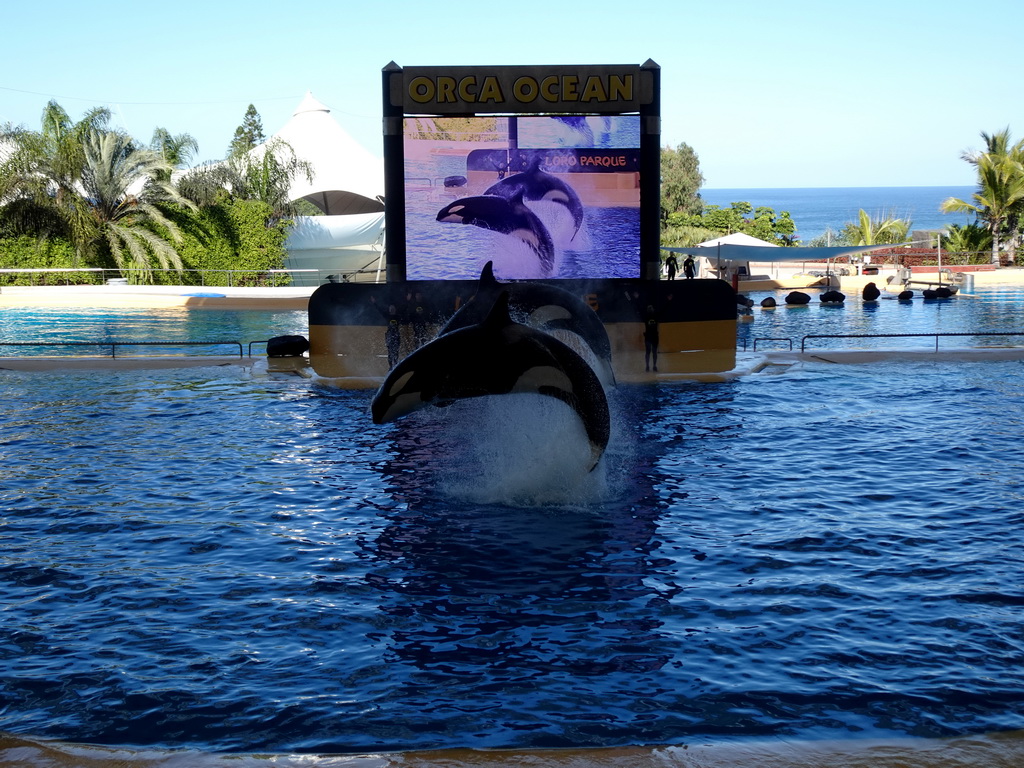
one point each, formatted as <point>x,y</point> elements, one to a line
<point>216,559</point>
<point>19,325</point>
<point>213,560</point>
<point>988,310</point>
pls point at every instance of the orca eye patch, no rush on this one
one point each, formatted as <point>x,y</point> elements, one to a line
<point>399,383</point>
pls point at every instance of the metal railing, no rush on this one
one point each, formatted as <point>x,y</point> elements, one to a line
<point>212,278</point>
<point>115,344</point>
<point>258,341</point>
<point>768,338</point>
<point>936,336</point>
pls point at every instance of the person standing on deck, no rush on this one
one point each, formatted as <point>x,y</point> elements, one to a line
<point>651,338</point>
<point>671,266</point>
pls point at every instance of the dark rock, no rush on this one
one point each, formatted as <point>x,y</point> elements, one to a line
<point>287,346</point>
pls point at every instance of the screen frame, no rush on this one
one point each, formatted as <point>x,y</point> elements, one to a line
<point>521,91</point>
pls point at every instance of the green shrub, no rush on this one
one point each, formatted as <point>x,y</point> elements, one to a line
<point>232,242</point>
<point>26,252</point>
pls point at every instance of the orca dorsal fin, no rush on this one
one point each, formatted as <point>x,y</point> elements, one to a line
<point>487,278</point>
<point>498,317</point>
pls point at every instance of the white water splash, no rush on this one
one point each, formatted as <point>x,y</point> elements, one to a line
<point>520,450</point>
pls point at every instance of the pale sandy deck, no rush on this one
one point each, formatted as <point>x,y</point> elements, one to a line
<point>276,299</point>
<point>1005,750</point>
<point>193,297</point>
<point>155,296</point>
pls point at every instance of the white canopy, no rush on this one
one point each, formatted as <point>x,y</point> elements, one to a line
<point>768,252</point>
<point>737,238</point>
<point>347,178</point>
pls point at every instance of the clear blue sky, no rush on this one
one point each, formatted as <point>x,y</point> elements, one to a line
<point>783,94</point>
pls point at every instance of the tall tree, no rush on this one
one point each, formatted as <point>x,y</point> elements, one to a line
<point>265,174</point>
<point>999,199</point>
<point>177,151</point>
<point>93,185</point>
<point>681,181</point>
<point>121,183</point>
<point>248,135</point>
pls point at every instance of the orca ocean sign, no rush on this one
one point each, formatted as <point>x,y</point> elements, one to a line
<point>596,89</point>
<point>549,172</point>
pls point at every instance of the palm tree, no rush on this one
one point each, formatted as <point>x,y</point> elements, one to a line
<point>121,183</point>
<point>90,184</point>
<point>999,200</point>
<point>265,174</point>
<point>967,239</point>
<point>875,230</point>
<point>996,144</point>
<point>177,151</point>
<point>41,171</point>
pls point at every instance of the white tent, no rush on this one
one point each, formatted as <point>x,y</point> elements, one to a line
<point>348,186</point>
<point>347,177</point>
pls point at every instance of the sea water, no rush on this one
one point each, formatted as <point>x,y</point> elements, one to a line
<point>223,560</point>
<point>816,210</point>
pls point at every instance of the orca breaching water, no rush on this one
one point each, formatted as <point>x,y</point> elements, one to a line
<point>502,208</point>
<point>482,351</point>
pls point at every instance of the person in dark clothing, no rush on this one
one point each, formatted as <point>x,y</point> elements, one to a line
<point>420,319</point>
<point>671,266</point>
<point>392,330</point>
<point>651,338</point>
<point>689,267</point>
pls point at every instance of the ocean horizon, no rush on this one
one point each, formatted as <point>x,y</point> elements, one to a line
<point>819,209</point>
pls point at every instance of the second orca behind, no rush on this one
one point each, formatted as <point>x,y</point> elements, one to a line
<point>547,307</point>
<point>495,357</point>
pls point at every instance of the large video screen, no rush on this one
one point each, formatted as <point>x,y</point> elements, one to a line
<point>539,196</point>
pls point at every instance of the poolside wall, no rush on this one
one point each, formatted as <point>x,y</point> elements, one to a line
<point>697,320</point>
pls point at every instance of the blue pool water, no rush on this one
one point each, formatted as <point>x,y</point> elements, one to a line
<point>987,310</point>
<point>221,560</point>
<point>85,324</point>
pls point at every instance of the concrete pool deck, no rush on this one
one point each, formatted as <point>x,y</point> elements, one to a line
<point>297,298</point>
<point>996,750</point>
<point>155,296</point>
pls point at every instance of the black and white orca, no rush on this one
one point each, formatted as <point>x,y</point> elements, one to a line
<point>508,215</point>
<point>495,357</point>
<point>546,307</point>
